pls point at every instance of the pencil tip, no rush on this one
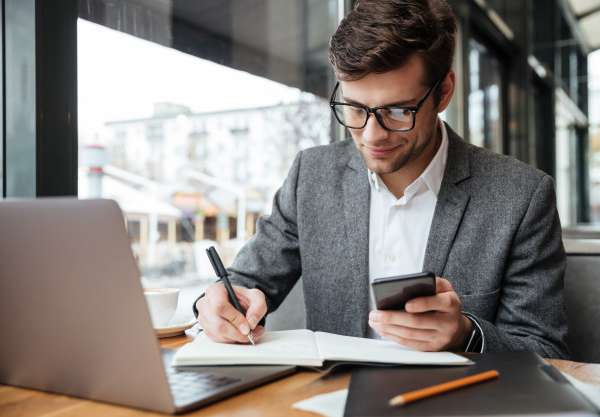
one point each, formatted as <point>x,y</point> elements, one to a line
<point>396,401</point>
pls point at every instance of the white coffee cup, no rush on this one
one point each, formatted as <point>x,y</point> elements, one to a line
<point>162,304</point>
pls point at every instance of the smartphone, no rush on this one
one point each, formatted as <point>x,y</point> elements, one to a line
<point>392,293</point>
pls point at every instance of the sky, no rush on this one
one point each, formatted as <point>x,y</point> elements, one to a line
<point>121,76</point>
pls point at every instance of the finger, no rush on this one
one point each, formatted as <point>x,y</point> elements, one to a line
<point>210,323</point>
<point>402,318</point>
<point>421,335</point>
<point>408,343</point>
<point>221,307</point>
<point>241,293</point>
<point>225,330</point>
<point>442,285</point>
<point>444,301</point>
<point>432,303</point>
<point>258,332</point>
<point>245,295</point>
<point>257,307</point>
<point>244,302</point>
<point>215,337</point>
<point>212,333</point>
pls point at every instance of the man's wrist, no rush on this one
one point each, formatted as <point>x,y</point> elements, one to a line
<point>476,341</point>
<point>194,307</point>
<point>465,333</point>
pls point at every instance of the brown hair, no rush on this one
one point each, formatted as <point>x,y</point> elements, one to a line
<point>380,35</point>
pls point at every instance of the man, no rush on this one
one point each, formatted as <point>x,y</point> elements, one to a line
<point>405,195</point>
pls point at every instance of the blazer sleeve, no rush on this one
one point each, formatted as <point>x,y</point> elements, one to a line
<point>270,260</point>
<point>531,314</point>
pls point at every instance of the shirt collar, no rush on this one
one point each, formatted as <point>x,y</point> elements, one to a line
<point>433,174</point>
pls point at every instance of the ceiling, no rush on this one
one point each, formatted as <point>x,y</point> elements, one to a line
<point>587,12</point>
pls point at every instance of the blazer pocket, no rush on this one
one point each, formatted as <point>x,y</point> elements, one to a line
<point>484,304</point>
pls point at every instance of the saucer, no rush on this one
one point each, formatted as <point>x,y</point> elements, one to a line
<point>174,329</point>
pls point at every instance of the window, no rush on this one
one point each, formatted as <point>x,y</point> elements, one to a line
<point>565,161</point>
<point>485,97</point>
<point>594,132</point>
<point>190,117</point>
<point>1,163</point>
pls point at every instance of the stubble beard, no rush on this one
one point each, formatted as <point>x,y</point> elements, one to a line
<point>382,167</point>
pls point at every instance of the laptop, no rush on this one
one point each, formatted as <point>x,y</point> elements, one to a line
<point>74,320</point>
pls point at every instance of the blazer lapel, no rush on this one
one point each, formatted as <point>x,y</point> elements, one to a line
<point>450,208</point>
<point>356,201</point>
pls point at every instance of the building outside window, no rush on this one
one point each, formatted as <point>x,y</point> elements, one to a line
<point>194,144</point>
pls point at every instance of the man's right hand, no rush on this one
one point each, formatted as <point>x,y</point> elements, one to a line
<point>222,322</point>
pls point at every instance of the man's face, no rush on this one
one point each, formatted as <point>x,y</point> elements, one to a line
<point>383,151</point>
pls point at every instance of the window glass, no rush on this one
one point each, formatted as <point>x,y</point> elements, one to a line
<point>190,119</point>
<point>485,100</point>
<point>594,132</point>
<point>565,162</point>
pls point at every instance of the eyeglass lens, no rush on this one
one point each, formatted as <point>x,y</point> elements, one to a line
<point>355,117</point>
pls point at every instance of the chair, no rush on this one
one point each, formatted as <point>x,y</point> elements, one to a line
<point>291,314</point>
<point>582,299</point>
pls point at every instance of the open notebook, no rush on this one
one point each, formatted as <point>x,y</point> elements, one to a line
<point>307,348</point>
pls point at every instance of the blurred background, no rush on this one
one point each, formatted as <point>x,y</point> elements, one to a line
<point>189,113</point>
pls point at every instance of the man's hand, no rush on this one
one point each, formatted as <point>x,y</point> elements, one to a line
<point>222,322</point>
<point>428,324</point>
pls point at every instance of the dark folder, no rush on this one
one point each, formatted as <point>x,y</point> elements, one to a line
<point>526,385</point>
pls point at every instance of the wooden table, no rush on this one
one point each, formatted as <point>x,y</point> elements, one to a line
<point>274,399</point>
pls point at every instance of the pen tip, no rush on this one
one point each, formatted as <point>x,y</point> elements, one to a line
<point>251,338</point>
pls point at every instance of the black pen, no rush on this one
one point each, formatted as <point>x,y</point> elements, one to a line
<point>222,273</point>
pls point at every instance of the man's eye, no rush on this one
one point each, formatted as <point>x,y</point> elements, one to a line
<point>397,113</point>
<point>355,110</point>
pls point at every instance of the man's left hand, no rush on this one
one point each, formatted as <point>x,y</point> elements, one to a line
<point>429,323</point>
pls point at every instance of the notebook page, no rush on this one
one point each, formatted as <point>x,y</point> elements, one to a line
<point>357,349</point>
<point>289,347</point>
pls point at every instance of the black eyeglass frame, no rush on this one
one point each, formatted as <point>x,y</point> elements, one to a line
<point>374,110</point>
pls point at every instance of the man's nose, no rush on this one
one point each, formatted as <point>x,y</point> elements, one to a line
<point>373,132</point>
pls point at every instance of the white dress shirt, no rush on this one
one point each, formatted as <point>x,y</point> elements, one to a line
<point>399,227</point>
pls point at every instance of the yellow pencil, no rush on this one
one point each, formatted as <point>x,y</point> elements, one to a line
<point>412,396</point>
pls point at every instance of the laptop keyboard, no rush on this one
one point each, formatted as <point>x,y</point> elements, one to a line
<point>190,386</point>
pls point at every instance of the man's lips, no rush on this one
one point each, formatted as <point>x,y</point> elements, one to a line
<point>381,151</point>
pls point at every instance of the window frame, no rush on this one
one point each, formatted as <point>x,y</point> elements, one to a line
<point>51,162</point>
<point>39,132</point>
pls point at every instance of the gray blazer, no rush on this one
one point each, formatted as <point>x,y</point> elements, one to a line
<point>495,236</point>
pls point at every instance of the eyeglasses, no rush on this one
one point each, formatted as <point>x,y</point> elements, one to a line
<point>392,118</point>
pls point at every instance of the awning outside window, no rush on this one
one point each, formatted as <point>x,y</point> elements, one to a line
<point>587,12</point>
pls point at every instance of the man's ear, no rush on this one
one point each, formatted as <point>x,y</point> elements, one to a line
<point>447,90</point>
